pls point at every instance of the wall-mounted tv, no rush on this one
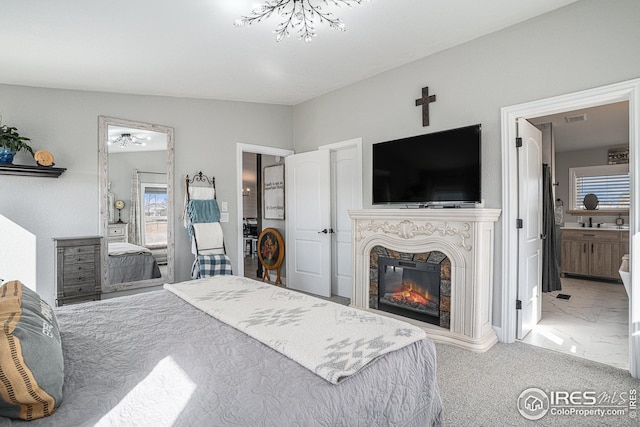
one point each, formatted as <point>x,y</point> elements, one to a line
<point>440,168</point>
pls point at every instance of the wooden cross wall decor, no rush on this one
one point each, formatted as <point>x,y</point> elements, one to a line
<point>425,101</point>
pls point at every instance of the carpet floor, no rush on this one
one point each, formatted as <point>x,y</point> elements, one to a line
<point>482,389</point>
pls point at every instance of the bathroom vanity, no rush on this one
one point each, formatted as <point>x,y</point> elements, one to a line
<point>594,252</point>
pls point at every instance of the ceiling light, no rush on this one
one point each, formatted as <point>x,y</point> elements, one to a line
<point>126,139</point>
<point>298,15</point>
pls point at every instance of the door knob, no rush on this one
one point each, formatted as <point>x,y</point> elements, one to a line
<point>324,231</point>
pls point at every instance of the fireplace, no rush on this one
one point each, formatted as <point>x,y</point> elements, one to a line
<point>459,241</point>
<point>410,289</point>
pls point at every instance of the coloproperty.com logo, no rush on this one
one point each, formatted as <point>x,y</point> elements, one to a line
<point>534,403</point>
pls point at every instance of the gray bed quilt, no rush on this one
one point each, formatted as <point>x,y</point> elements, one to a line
<point>154,360</point>
<point>132,267</point>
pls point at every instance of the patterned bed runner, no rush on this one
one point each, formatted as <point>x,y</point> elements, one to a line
<point>331,340</point>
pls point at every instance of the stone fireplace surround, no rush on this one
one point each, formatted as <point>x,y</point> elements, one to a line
<point>434,257</point>
<point>465,236</point>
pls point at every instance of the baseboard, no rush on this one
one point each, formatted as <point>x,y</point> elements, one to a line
<point>499,333</point>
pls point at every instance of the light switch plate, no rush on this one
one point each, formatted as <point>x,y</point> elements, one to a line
<point>224,206</point>
<point>224,217</point>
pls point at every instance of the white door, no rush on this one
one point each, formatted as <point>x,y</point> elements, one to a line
<point>529,236</point>
<point>346,193</point>
<point>308,213</point>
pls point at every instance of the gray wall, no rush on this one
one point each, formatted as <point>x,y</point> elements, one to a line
<point>66,123</point>
<point>587,44</point>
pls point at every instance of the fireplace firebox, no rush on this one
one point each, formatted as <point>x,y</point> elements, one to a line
<point>409,288</point>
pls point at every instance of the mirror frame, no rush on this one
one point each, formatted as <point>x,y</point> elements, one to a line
<point>103,172</point>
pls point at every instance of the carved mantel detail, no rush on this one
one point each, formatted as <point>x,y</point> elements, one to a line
<point>406,229</point>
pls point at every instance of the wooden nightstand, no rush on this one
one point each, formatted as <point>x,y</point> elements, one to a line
<point>77,269</point>
<point>118,232</point>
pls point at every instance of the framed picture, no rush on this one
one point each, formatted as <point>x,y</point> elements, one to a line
<point>273,192</point>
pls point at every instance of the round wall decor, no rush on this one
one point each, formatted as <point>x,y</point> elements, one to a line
<point>43,158</point>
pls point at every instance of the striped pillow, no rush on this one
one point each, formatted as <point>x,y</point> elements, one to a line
<point>31,364</point>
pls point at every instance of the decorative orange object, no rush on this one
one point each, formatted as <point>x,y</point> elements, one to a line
<point>271,252</point>
<point>43,158</point>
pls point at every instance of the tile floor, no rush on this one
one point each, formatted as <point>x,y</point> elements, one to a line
<point>592,324</point>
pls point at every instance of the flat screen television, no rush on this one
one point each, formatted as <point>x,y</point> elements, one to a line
<point>440,168</point>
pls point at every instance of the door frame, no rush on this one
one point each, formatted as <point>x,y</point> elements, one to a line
<point>257,149</point>
<point>624,91</point>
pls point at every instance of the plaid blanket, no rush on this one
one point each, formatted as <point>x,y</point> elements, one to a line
<point>211,265</point>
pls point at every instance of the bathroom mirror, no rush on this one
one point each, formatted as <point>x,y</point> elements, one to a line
<point>136,204</point>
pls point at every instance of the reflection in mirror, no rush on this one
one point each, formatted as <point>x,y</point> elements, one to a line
<point>136,187</point>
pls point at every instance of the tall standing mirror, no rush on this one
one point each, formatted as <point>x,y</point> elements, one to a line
<point>136,204</point>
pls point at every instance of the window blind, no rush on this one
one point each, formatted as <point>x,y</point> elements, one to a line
<point>613,190</point>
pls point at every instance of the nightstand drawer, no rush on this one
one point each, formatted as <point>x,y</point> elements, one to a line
<point>73,278</point>
<point>79,289</point>
<point>72,269</point>
<point>116,231</point>
<point>70,260</point>
<point>78,250</point>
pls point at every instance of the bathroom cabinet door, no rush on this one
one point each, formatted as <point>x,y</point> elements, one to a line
<point>575,257</point>
<point>604,259</point>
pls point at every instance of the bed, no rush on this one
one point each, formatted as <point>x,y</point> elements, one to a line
<point>155,359</point>
<point>131,263</point>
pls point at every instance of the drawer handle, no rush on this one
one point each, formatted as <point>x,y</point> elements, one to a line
<point>79,259</point>
<point>589,235</point>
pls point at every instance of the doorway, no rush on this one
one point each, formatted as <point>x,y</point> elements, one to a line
<point>241,190</point>
<point>588,317</point>
<point>626,91</point>
<point>346,193</point>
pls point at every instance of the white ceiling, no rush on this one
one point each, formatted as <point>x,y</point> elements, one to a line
<point>192,49</point>
<point>605,126</point>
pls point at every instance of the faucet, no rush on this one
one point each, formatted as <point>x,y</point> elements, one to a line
<point>590,222</point>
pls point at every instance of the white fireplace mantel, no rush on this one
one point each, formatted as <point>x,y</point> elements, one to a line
<point>465,235</point>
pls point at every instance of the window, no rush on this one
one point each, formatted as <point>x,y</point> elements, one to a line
<point>154,214</point>
<point>609,182</point>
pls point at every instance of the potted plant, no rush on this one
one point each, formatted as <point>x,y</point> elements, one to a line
<point>11,143</point>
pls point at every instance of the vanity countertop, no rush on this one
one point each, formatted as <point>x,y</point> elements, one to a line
<point>605,226</point>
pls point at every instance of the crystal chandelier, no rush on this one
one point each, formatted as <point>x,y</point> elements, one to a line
<point>126,139</point>
<point>299,16</point>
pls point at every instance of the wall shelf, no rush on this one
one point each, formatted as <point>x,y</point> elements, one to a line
<point>599,212</point>
<point>25,170</point>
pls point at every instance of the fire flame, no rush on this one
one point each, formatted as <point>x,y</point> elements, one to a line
<point>411,292</point>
